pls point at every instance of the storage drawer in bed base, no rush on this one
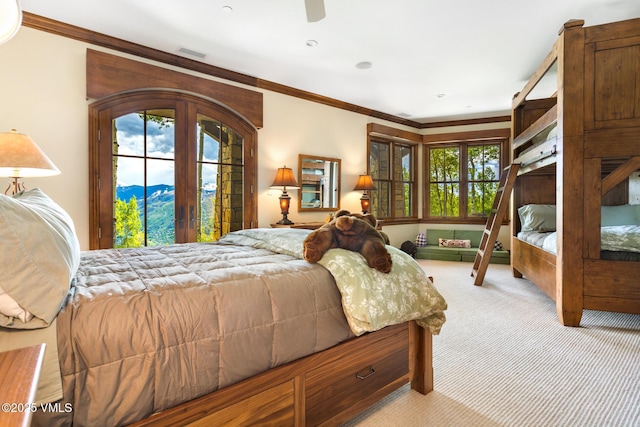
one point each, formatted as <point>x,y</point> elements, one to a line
<point>328,387</point>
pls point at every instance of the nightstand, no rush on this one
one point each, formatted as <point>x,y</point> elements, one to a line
<point>19,375</point>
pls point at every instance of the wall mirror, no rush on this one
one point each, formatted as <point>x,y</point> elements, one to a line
<point>319,180</point>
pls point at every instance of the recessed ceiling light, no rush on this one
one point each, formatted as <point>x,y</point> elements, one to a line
<point>364,65</point>
<point>312,43</point>
<point>227,9</point>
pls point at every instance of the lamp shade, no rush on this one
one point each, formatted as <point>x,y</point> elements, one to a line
<point>20,157</point>
<point>285,178</point>
<point>365,183</point>
<point>10,19</point>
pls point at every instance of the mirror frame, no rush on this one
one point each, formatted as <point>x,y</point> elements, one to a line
<point>301,181</point>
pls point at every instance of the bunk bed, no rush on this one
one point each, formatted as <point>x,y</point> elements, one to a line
<point>577,149</point>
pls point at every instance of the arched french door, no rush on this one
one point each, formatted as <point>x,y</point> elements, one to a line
<point>168,167</point>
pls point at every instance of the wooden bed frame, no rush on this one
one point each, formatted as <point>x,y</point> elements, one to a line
<point>325,388</point>
<point>597,111</point>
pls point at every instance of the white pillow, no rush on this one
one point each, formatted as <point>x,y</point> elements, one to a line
<point>620,215</point>
<point>454,243</point>
<point>39,255</point>
<point>10,308</point>
<point>537,217</point>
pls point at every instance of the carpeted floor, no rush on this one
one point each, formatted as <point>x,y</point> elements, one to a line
<point>504,359</point>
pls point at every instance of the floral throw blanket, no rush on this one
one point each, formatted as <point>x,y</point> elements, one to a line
<point>371,300</point>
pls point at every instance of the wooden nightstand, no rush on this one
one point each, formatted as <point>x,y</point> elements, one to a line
<point>19,374</point>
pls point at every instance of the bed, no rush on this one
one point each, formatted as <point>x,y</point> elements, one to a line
<point>239,331</point>
<point>578,151</point>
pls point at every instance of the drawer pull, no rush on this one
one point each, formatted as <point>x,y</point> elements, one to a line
<point>367,375</point>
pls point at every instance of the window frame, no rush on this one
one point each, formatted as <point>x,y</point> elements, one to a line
<point>462,142</point>
<point>395,137</point>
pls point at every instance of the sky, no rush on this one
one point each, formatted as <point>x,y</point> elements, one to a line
<point>160,145</point>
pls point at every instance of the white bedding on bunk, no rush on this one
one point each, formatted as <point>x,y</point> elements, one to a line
<point>618,238</point>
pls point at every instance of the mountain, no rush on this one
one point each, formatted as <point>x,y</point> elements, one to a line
<point>128,191</point>
<point>160,209</point>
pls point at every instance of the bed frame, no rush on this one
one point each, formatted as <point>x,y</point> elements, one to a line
<point>597,111</point>
<point>325,388</point>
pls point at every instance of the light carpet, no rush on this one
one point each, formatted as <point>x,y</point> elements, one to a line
<point>504,359</point>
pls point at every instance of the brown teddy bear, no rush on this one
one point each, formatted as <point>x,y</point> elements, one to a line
<point>354,232</point>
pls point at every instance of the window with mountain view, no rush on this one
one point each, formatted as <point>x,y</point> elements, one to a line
<point>175,171</point>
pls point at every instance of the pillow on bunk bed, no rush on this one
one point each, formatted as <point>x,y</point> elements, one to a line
<point>454,243</point>
<point>39,255</point>
<point>548,133</point>
<point>536,217</point>
<point>620,215</point>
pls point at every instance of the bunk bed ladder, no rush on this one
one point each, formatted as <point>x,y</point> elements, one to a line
<point>494,221</point>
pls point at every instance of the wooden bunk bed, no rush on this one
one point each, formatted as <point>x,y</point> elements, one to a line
<point>596,114</point>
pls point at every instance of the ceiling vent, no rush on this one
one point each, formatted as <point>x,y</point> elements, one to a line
<point>191,53</point>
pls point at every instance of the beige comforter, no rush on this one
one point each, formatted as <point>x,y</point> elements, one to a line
<point>146,329</point>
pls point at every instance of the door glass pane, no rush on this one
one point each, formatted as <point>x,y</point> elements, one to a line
<point>220,152</point>
<point>160,202</point>
<point>143,173</point>
<point>129,202</point>
<point>207,203</point>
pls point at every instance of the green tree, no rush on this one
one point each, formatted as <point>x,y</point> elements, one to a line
<point>483,180</point>
<point>444,181</point>
<point>128,227</point>
<point>207,229</point>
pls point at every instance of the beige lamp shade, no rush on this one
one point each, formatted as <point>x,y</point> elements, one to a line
<point>20,157</point>
<point>365,183</point>
<point>10,19</point>
<point>284,178</point>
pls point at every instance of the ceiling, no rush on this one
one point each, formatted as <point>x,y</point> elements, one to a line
<point>430,60</point>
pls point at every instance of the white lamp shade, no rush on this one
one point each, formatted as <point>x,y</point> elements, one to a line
<point>20,157</point>
<point>10,19</point>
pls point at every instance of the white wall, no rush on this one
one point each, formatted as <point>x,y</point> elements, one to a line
<point>43,94</point>
<point>43,91</point>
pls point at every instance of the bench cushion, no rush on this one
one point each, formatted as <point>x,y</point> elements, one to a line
<point>435,252</point>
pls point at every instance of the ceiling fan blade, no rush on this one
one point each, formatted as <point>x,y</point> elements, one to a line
<point>315,10</point>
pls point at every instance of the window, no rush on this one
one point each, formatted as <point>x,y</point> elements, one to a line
<point>462,179</point>
<point>177,169</point>
<point>392,167</point>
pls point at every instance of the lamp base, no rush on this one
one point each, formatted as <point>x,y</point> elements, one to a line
<point>285,221</point>
<point>17,187</point>
<point>365,203</point>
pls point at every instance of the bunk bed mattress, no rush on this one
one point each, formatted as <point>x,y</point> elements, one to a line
<point>620,242</point>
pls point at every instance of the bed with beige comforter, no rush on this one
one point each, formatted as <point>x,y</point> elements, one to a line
<point>145,329</point>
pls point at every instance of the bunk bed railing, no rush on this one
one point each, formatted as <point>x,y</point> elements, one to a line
<point>546,120</point>
<point>621,173</point>
<point>527,161</point>
<point>544,66</point>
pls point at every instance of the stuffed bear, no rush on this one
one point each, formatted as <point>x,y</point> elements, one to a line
<point>354,232</point>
